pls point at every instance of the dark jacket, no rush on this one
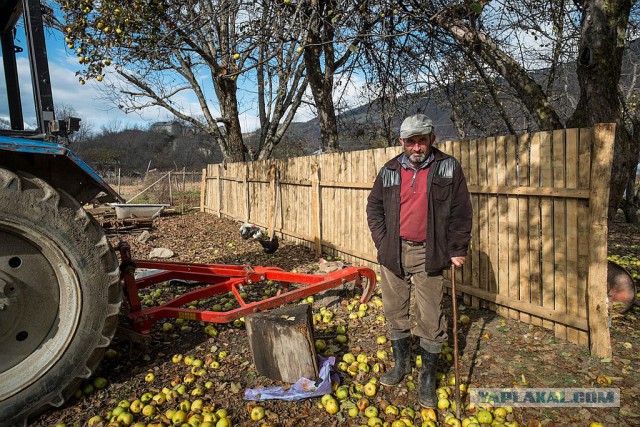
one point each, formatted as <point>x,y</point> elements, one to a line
<point>448,218</point>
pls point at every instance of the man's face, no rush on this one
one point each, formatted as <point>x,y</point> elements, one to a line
<point>417,147</point>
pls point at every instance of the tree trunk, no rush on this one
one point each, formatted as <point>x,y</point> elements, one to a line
<point>599,64</point>
<point>234,150</point>
<point>528,90</point>
<point>282,343</point>
<point>629,204</point>
<point>320,48</point>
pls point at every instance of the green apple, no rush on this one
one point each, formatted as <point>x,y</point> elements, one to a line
<point>370,389</point>
<point>342,392</point>
<point>179,417</point>
<point>136,406</point>
<point>348,358</point>
<point>99,383</point>
<point>148,410</point>
<point>257,413</point>
<point>125,418</point>
<point>88,389</point>
<point>370,411</point>
<point>95,420</point>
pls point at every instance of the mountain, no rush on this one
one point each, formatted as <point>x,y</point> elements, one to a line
<point>362,127</point>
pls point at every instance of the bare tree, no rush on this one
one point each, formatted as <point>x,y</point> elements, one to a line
<point>335,29</point>
<point>168,51</point>
<point>527,45</point>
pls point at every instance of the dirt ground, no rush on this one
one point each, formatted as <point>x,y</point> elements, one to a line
<point>495,351</point>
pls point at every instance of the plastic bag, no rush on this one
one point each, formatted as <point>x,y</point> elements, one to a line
<point>304,388</point>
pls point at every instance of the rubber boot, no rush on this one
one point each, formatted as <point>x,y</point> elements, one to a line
<point>402,366</point>
<point>428,379</point>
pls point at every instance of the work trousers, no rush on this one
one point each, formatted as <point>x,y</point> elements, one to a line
<point>429,324</point>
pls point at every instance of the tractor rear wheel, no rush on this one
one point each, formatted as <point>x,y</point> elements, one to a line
<point>59,296</point>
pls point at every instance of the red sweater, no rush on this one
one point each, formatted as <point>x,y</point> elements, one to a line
<point>413,204</point>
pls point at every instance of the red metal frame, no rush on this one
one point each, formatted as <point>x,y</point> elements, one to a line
<point>222,278</point>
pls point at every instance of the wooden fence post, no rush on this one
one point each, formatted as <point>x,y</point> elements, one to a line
<point>219,191</point>
<point>598,315</point>
<point>247,202</point>
<point>272,198</point>
<point>315,208</point>
<point>203,190</point>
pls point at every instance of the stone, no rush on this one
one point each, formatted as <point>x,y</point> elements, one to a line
<point>161,253</point>
<point>144,237</point>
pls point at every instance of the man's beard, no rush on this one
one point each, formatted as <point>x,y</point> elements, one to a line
<point>417,157</point>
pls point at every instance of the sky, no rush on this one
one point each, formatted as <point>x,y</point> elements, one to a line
<point>89,103</point>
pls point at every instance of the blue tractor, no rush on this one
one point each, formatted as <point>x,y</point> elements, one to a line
<point>59,281</point>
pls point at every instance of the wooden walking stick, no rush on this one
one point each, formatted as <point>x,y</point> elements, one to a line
<point>455,338</point>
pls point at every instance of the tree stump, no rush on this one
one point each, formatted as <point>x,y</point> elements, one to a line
<point>282,343</point>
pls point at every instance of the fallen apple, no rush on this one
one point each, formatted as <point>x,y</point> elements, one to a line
<point>148,410</point>
<point>136,406</point>
<point>349,358</point>
<point>332,406</point>
<point>484,417</point>
<point>370,411</point>
<point>179,417</point>
<point>370,389</point>
<point>257,413</point>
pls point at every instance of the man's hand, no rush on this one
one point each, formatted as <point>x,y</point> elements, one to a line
<point>457,260</point>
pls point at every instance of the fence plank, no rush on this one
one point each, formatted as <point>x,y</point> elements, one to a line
<point>483,215</point>
<point>492,210</point>
<point>315,208</point>
<point>220,192</point>
<point>457,151</point>
<point>475,237</point>
<point>524,279</point>
<point>571,175</point>
<point>535,227</point>
<point>466,268</point>
<point>513,240</point>
<point>546,220</point>
<point>503,224</point>
<point>203,193</point>
<point>559,226</point>
<point>584,173</point>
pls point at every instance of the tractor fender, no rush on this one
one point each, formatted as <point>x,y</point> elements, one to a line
<point>58,166</point>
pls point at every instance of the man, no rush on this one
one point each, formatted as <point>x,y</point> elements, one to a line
<point>419,213</point>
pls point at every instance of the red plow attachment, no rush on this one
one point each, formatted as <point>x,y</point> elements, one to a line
<point>218,279</point>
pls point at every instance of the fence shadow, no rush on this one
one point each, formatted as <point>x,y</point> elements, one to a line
<point>480,318</point>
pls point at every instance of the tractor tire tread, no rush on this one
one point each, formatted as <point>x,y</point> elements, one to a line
<point>83,226</point>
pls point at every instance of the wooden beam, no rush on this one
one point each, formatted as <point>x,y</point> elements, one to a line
<point>536,310</point>
<point>598,314</point>
<point>203,189</point>
<point>316,209</point>
<point>571,193</point>
<point>219,191</point>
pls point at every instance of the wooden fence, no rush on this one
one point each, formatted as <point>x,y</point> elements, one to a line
<point>539,238</point>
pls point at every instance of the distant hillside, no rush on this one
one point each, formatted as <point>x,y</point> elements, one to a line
<point>361,127</point>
